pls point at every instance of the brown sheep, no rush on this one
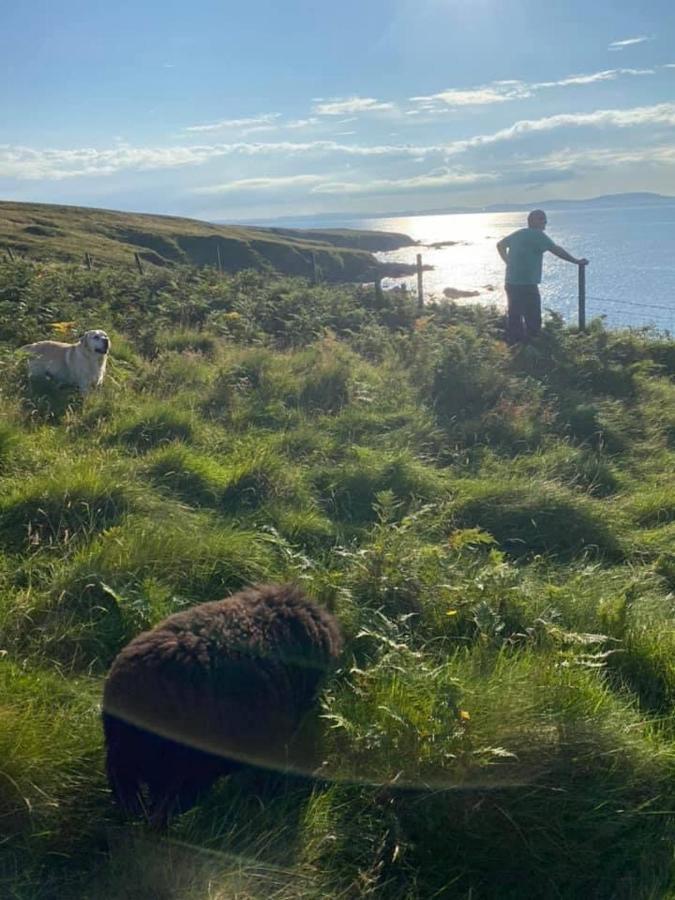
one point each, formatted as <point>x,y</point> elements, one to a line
<point>210,688</point>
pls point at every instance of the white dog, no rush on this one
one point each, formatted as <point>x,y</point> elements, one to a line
<point>82,364</point>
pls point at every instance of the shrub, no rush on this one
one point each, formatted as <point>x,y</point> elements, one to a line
<point>326,385</point>
<point>469,377</point>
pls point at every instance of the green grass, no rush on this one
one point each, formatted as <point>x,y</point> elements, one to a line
<point>350,488</point>
<point>493,527</point>
<point>71,502</point>
<point>537,518</point>
<point>158,423</point>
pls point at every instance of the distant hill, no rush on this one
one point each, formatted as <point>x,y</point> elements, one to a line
<point>346,220</point>
<point>605,201</point>
<point>66,233</point>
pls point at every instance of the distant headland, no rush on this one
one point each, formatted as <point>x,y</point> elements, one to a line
<point>604,201</point>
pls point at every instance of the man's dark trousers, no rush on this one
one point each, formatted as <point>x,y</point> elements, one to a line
<point>524,311</point>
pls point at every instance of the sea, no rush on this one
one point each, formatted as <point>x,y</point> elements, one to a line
<point>630,279</point>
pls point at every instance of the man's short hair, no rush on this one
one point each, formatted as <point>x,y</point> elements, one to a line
<point>534,215</point>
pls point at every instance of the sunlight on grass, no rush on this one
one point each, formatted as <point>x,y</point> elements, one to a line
<point>493,528</point>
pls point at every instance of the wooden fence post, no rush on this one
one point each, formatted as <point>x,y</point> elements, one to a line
<point>220,261</point>
<point>316,275</point>
<point>379,297</point>
<point>87,261</point>
<point>10,254</point>
<point>138,262</point>
<point>582,298</point>
<point>420,285</point>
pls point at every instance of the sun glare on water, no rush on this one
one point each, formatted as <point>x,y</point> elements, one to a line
<point>461,249</point>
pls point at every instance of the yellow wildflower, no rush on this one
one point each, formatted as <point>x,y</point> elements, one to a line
<point>63,327</point>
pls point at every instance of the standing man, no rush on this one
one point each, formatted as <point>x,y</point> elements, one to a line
<point>522,252</point>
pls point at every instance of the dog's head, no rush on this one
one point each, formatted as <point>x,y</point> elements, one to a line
<point>96,341</point>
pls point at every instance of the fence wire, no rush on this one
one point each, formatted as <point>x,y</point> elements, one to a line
<point>662,321</point>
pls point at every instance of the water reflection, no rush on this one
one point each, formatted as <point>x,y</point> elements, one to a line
<point>468,262</point>
<point>630,281</point>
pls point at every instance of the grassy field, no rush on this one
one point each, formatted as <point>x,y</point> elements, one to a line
<point>493,527</point>
<point>44,232</point>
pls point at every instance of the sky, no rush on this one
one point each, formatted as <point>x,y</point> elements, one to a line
<point>253,110</point>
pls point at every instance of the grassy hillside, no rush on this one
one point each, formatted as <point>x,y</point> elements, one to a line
<point>65,233</point>
<point>492,526</point>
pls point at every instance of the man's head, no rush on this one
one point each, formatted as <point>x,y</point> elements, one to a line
<point>537,219</point>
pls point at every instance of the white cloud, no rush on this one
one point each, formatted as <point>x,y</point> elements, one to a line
<point>28,163</point>
<point>436,180</point>
<point>264,120</point>
<point>628,42</point>
<point>300,123</point>
<point>660,114</point>
<point>55,164</point>
<point>351,105</point>
<point>606,75</point>
<point>499,92</point>
<point>255,124</point>
<point>261,184</point>
<point>504,91</point>
<point>602,157</point>
<point>472,96</point>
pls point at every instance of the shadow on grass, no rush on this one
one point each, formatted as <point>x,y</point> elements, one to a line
<point>46,401</point>
<point>547,520</point>
<point>588,829</point>
<point>243,840</point>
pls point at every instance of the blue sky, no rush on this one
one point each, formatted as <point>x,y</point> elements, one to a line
<point>258,109</point>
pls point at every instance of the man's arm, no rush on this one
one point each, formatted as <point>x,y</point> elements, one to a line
<point>563,254</point>
<point>501,249</point>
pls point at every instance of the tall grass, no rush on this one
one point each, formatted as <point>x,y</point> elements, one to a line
<point>492,526</point>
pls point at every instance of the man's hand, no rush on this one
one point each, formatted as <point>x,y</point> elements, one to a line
<point>563,254</point>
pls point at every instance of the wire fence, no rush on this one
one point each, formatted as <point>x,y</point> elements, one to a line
<point>659,317</point>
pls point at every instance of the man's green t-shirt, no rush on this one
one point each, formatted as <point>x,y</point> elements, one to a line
<point>526,250</point>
